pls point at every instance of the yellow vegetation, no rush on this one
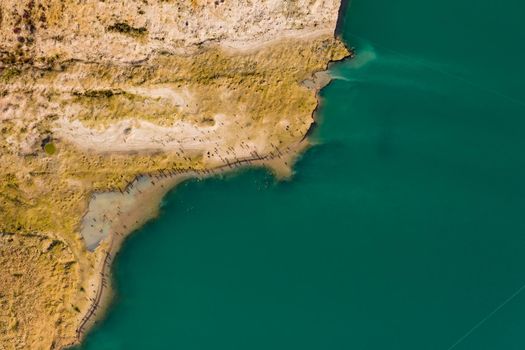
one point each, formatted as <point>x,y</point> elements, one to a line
<point>44,193</point>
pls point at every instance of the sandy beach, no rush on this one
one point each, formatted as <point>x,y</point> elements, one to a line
<point>140,202</point>
<point>113,216</point>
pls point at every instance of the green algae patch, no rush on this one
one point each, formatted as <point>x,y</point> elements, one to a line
<point>50,148</point>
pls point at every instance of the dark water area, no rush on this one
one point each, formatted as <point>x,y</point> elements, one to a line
<point>404,228</point>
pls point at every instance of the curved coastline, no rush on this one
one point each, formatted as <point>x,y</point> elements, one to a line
<point>165,181</point>
<point>280,162</point>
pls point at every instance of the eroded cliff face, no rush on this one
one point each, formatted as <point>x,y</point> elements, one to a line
<point>93,93</point>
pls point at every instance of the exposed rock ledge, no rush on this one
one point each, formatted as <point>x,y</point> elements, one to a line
<point>96,94</point>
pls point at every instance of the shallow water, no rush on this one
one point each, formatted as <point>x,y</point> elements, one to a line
<point>403,229</point>
<point>105,207</point>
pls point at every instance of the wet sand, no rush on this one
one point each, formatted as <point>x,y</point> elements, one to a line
<point>112,216</point>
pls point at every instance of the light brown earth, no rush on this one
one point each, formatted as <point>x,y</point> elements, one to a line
<point>94,93</point>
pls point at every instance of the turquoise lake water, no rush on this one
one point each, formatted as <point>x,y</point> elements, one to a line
<point>404,228</point>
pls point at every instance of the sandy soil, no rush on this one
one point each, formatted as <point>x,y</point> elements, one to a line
<point>82,31</point>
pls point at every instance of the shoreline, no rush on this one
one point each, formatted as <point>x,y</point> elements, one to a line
<point>280,163</point>
<point>345,4</point>
<point>164,181</point>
